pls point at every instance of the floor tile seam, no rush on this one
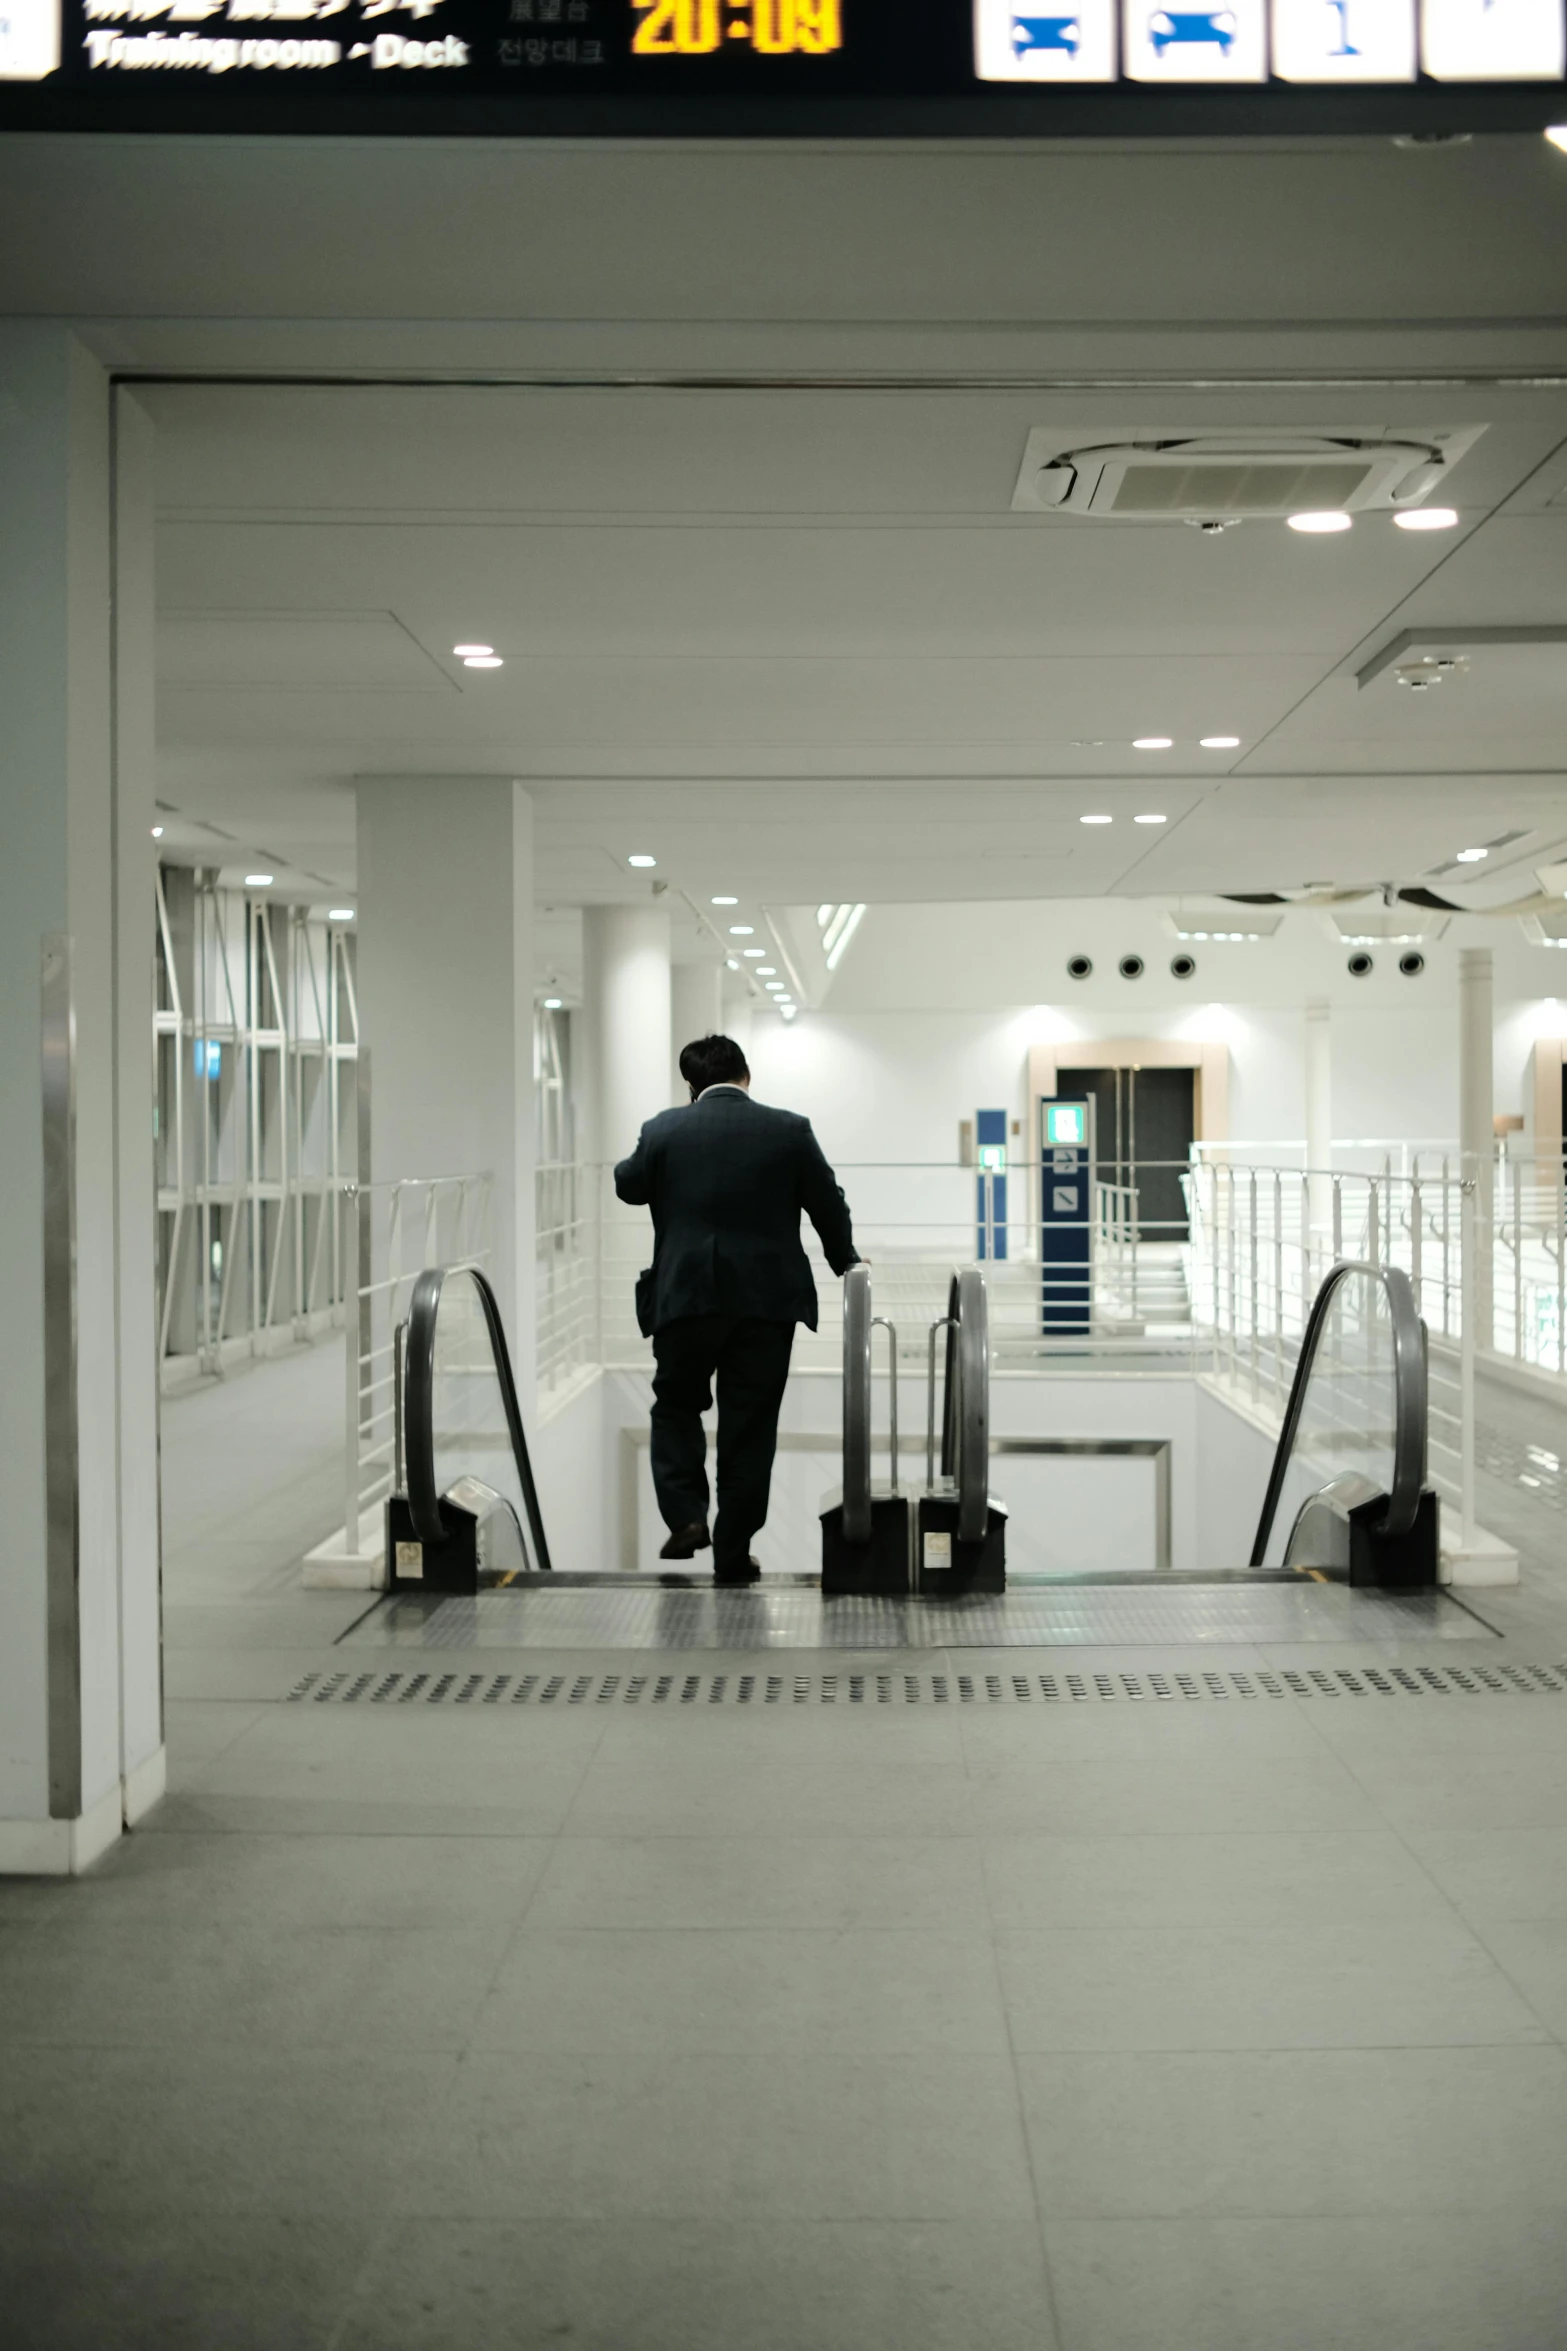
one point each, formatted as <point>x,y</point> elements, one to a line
<point>1451,1904</point>
<point>1020,2106</point>
<point>1502,1968</point>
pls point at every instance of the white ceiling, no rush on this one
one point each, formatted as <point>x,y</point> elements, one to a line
<point>795,643</point>
<point>733,497</point>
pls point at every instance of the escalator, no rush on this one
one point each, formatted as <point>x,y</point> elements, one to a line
<point>466,1513</point>
<point>1348,1499</point>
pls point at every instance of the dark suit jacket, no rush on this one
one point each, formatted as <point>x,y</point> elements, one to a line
<point>727,1179</point>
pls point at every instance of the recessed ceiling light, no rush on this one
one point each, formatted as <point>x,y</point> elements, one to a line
<point>1332,521</point>
<point>552,1004</point>
<point>1427,518</point>
<point>1472,856</point>
<point>726,901</point>
<point>642,861</point>
<point>484,661</point>
<point>263,881</point>
<point>157,832</point>
<point>1220,742</point>
<point>1150,820</point>
<point>732,963</point>
<point>1152,743</point>
<point>1096,820</point>
<point>776,988</point>
<point>340,914</point>
<point>753,950</point>
<point>472,652</point>
<point>742,930</point>
<point>765,971</point>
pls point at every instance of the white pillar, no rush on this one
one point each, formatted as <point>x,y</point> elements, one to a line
<point>626,1023</point>
<point>1476,1138</point>
<point>1318,1059</point>
<point>696,997</point>
<point>446,1003</point>
<point>81,1736</point>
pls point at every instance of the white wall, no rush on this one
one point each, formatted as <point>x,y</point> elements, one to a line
<point>934,1009</point>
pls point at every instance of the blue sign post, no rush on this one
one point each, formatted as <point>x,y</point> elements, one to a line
<point>1066,1164</point>
<point>990,1210</point>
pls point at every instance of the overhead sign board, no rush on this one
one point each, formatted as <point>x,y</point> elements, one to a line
<point>673,66</point>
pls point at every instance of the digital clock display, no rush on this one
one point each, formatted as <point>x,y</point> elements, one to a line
<point>745,68</point>
<point>770,28</point>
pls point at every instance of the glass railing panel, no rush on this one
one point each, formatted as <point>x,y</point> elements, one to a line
<point>1349,1407</point>
<point>470,1432</point>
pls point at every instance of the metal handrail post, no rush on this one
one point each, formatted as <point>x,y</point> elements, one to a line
<point>1468,1191</point>
<point>351,1349</point>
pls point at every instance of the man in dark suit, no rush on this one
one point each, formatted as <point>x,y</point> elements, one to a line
<point>726,1179</point>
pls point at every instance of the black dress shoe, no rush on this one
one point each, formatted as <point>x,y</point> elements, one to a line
<point>749,1574</point>
<point>686,1541</point>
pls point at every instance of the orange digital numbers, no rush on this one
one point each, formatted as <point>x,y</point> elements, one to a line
<point>774,28</point>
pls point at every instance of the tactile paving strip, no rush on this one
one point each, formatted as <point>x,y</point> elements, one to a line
<point>895,1688</point>
<point>792,1617</point>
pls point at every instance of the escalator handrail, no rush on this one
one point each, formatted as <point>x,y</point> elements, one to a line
<point>857,1404</point>
<point>1409,1389</point>
<point>965,1429</point>
<point>424,1500</point>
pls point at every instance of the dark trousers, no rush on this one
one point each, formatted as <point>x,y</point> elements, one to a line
<point>750,1360</point>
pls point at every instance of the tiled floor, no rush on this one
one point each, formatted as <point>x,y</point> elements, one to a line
<point>1214,2027</point>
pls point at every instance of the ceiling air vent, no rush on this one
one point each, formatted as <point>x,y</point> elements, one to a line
<point>1148,476</point>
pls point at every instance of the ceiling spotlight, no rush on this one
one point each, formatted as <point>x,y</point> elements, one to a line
<point>1472,856</point>
<point>1220,742</point>
<point>1427,518</point>
<point>484,661</point>
<point>1152,743</point>
<point>263,881</point>
<point>742,930</point>
<point>157,832</point>
<point>340,914</point>
<point>1333,521</point>
<point>1150,820</point>
<point>552,1004</point>
<point>726,901</point>
<point>642,861</point>
<point>472,652</point>
<point>1096,820</point>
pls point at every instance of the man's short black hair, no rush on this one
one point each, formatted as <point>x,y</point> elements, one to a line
<point>712,1061</point>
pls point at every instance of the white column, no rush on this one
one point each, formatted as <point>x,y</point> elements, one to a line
<point>1476,1138</point>
<point>1318,1059</point>
<point>446,1003</point>
<point>696,997</point>
<point>81,1738</point>
<point>626,1023</point>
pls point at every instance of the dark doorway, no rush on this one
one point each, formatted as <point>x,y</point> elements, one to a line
<point>1143,1121</point>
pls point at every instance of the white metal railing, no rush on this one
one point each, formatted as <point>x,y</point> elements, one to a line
<point>394,1231</point>
<point>1224,1287</point>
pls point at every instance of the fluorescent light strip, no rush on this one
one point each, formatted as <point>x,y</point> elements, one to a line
<point>838,950</point>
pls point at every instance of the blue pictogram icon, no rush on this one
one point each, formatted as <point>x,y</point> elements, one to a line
<point>1174,29</point>
<point>1346,47</point>
<point>1045,32</point>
